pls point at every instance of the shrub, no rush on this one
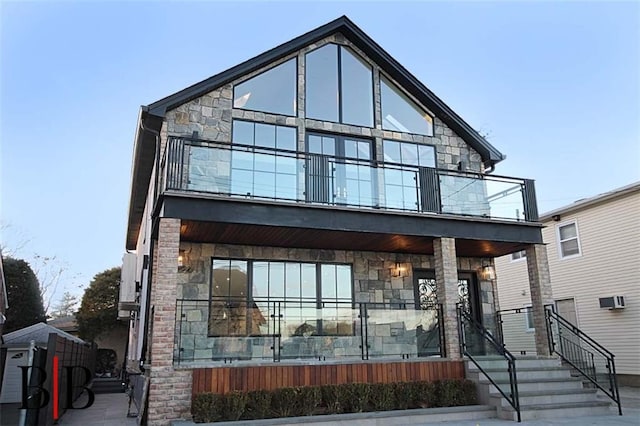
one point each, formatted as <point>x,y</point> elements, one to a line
<point>233,406</point>
<point>402,395</point>
<point>207,407</point>
<point>284,402</point>
<point>331,398</point>
<point>258,405</point>
<point>355,397</point>
<point>309,398</point>
<point>381,397</point>
<point>424,395</point>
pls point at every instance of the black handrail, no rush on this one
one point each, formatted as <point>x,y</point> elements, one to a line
<point>465,318</point>
<point>571,351</point>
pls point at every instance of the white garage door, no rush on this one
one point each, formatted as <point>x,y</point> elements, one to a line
<point>12,381</point>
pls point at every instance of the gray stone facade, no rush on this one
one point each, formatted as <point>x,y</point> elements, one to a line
<point>391,331</point>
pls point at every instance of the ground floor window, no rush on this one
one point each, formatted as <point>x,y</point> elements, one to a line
<point>263,297</point>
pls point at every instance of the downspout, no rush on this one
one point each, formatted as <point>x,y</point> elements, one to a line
<point>145,339</point>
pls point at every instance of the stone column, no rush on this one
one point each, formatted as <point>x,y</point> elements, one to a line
<point>541,295</point>
<point>444,250</point>
<point>169,390</point>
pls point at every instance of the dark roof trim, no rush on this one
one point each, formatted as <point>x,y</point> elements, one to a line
<point>344,25</point>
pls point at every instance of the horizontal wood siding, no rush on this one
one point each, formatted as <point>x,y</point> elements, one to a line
<point>227,379</point>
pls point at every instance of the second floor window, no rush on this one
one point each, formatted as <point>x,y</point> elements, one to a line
<point>568,242</point>
<point>401,114</point>
<point>272,91</point>
<point>339,86</point>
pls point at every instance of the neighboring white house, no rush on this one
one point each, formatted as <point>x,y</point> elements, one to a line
<point>593,246</point>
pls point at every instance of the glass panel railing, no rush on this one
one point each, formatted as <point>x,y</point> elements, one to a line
<point>516,331</point>
<point>485,196</point>
<point>264,173</point>
<point>406,333</point>
<point>227,329</point>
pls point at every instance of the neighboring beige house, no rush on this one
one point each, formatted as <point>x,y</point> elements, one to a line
<point>593,247</point>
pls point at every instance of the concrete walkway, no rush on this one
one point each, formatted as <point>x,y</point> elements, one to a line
<point>111,410</point>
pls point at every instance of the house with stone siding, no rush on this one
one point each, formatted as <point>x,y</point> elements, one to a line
<point>313,215</point>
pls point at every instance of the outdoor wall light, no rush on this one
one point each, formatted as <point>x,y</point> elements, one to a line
<point>184,264</point>
<point>400,270</point>
<point>488,272</point>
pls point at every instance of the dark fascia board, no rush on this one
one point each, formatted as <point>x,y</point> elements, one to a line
<point>345,26</point>
<point>153,114</point>
<point>144,151</point>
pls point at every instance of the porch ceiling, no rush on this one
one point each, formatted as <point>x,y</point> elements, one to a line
<point>260,235</point>
<point>222,220</point>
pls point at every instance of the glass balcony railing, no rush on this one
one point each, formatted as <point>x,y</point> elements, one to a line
<point>252,172</point>
<point>226,330</point>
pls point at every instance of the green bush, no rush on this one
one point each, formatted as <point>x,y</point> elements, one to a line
<point>349,398</point>
<point>207,407</point>
<point>381,397</point>
<point>331,396</point>
<point>356,397</point>
<point>258,405</point>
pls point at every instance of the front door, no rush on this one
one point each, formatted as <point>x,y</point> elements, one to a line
<point>427,301</point>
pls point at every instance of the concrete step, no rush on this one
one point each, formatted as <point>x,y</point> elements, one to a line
<point>521,362</point>
<point>540,373</point>
<point>530,385</point>
<point>548,397</point>
<point>556,410</point>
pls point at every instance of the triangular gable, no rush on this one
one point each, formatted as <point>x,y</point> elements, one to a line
<point>355,35</point>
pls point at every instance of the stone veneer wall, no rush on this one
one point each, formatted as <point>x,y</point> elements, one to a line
<point>372,283</point>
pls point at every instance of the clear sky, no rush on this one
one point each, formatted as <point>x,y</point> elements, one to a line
<point>555,85</point>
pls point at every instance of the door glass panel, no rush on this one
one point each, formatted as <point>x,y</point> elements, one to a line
<point>343,277</point>
<point>328,281</point>
<point>260,279</point>
<point>292,280</point>
<point>276,280</point>
<point>308,281</point>
<point>271,91</point>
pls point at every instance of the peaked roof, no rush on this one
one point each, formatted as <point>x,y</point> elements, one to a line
<point>590,201</point>
<point>38,332</point>
<point>151,116</point>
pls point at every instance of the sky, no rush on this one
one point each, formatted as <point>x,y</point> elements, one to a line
<point>554,85</point>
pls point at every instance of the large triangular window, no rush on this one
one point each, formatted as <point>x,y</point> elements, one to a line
<point>339,86</point>
<point>401,114</point>
<point>272,91</point>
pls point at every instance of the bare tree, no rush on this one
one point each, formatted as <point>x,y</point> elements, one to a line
<point>67,305</point>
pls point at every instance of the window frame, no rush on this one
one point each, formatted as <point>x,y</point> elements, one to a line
<point>318,299</point>
<point>271,67</point>
<point>559,240</point>
<point>339,82</point>
<point>523,256</point>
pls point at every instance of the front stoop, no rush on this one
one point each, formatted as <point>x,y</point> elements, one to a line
<point>387,418</point>
<point>546,388</point>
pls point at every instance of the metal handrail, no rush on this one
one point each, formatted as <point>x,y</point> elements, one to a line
<point>514,398</point>
<point>500,323</point>
<point>613,392</point>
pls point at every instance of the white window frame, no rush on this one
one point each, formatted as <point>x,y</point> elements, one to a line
<point>518,259</point>
<point>559,241</point>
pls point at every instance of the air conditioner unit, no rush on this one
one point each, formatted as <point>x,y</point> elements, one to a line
<point>613,302</point>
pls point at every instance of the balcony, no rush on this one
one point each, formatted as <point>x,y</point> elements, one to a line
<point>227,330</point>
<point>289,177</point>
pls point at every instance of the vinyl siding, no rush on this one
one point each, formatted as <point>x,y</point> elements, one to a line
<point>609,265</point>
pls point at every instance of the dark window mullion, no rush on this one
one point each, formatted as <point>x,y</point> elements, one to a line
<point>339,53</point>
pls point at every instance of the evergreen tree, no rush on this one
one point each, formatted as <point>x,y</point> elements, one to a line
<point>23,294</point>
<point>98,311</point>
